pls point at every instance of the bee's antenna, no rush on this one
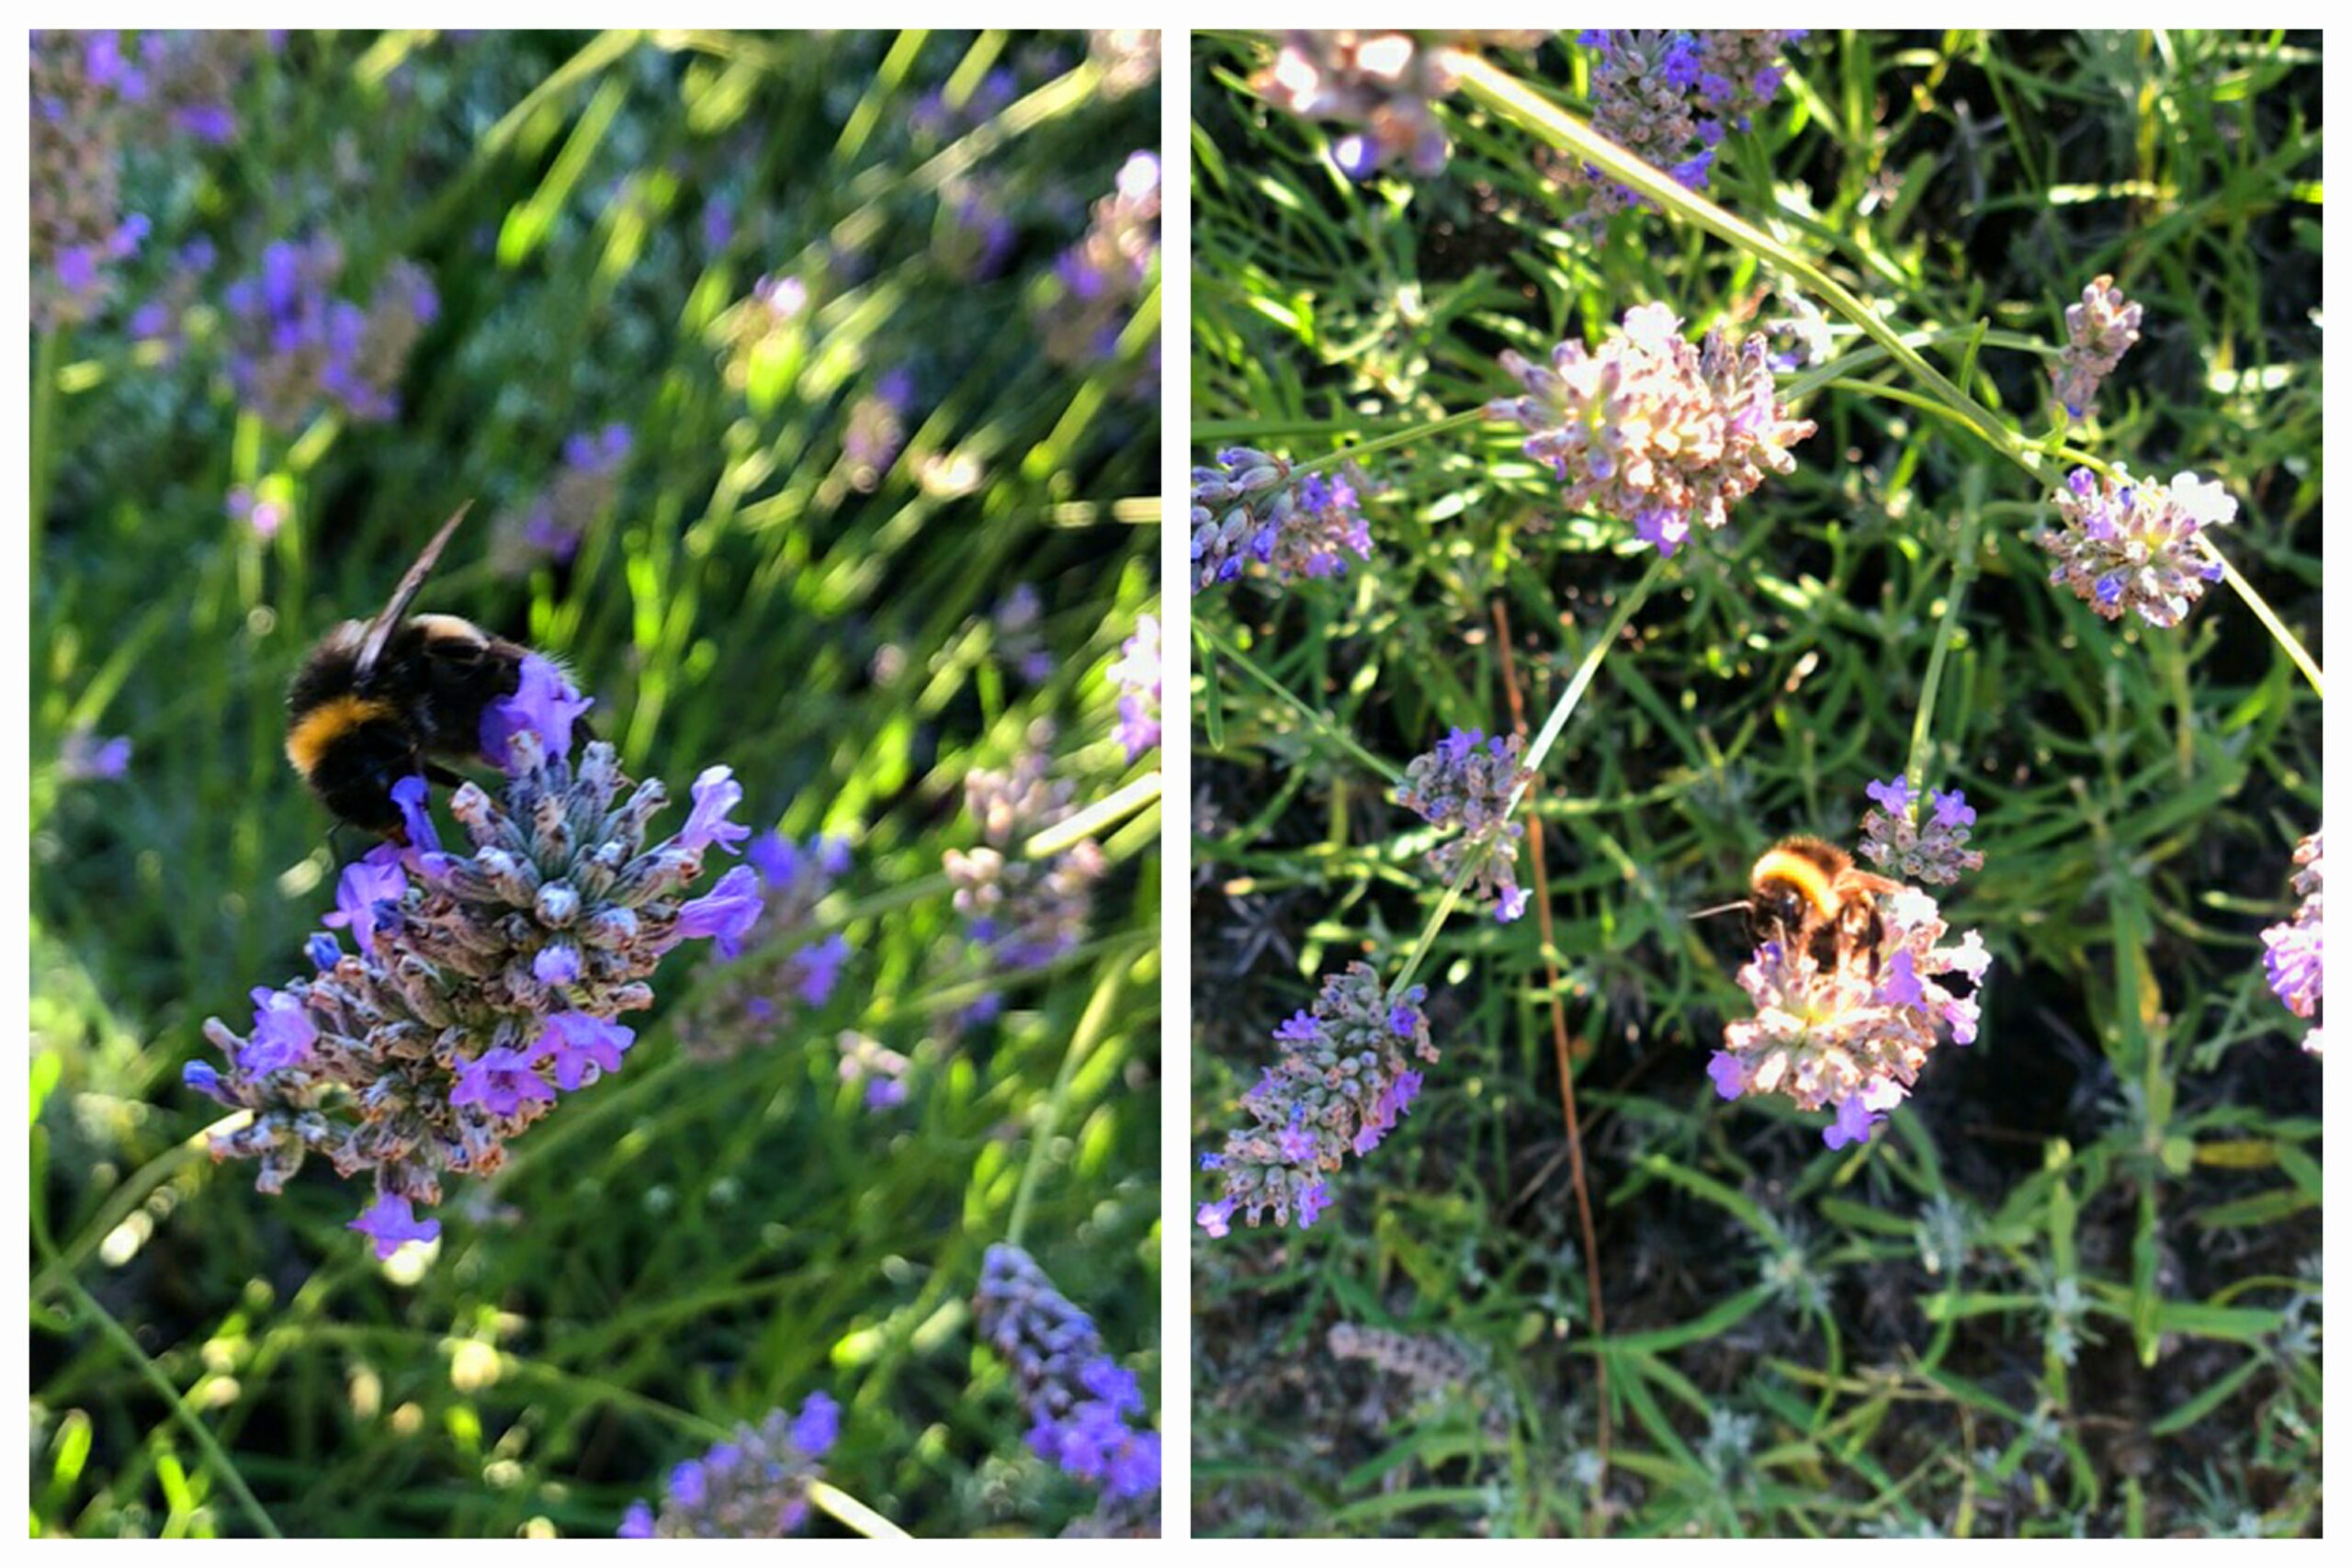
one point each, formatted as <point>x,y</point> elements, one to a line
<point>1718,910</point>
<point>380,630</point>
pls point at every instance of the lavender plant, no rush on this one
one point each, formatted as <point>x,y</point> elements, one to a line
<point>1103,279</point>
<point>781,976</point>
<point>1935,850</point>
<point>482,983</point>
<point>2100,331</point>
<point>1136,675</point>
<point>754,1486</point>
<point>2135,544</point>
<point>1253,506</point>
<point>1020,911</point>
<point>2292,950</point>
<point>1386,85</point>
<point>1084,1409</point>
<point>1668,95</point>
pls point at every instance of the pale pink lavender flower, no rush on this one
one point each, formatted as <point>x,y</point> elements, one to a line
<point>1848,1037</point>
<point>1128,57</point>
<point>84,755</point>
<point>881,1070</point>
<point>2291,950</point>
<point>1098,282</point>
<point>2124,544</point>
<point>1651,430</point>
<point>1344,1076</point>
<point>1251,506</point>
<point>1467,782</point>
<point>1022,911</point>
<point>1085,1411</point>
<point>752,1487</point>
<point>1934,849</point>
<point>2100,331</point>
<point>485,984</point>
<point>1136,675</point>
<point>1383,85</point>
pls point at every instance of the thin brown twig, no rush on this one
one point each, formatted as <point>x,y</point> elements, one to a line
<point>1567,1073</point>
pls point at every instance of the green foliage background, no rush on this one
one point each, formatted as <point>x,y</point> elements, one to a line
<point>685,1246</point>
<point>2072,1284</point>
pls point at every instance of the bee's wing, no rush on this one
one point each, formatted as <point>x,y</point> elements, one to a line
<point>380,630</point>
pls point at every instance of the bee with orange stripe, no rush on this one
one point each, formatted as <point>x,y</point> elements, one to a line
<point>375,700</point>
<point>1808,895</point>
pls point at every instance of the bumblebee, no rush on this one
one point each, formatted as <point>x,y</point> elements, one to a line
<point>375,700</point>
<point>1808,895</point>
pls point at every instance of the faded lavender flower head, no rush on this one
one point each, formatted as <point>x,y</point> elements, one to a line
<point>1100,280</point>
<point>1080,1402</point>
<point>1344,1077</point>
<point>760,997</point>
<point>296,346</point>
<point>551,525</point>
<point>2126,544</point>
<point>1935,850</point>
<point>1384,84</point>
<point>1248,506</point>
<point>1467,782</point>
<point>1668,96</point>
<point>877,429</point>
<point>752,1487</point>
<point>78,228</point>
<point>2100,331</point>
<point>2291,950</point>
<point>1136,675</point>
<point>1434,1367</point>
<point>483,983</point>
<point>1651,430</point>
<point>83,755</point>
<point>1843,1037</point>
<point>1022,911</point>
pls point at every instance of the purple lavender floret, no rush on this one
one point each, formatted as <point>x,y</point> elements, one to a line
<point>1136,675</point>
<point>1251,506</point>
<point>752,1487</point>
<point>1908,849</point>
<point>1343,1079</point>
<point>1085,1411</point>
<point>1466,782</point>
<point>2292,951</point>
<point>1102,279</point>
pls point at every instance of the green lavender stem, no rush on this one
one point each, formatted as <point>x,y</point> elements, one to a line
<point>1963,572</point>
<point>1091,1025</point>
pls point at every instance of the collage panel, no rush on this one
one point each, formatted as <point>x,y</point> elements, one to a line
<point>1755,951</point>
<point>595,904</point>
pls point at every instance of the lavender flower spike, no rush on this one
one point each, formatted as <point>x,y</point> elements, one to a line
<point>1467,782</point>
<point>752,1487</point>
<point>1344,1077</point>
<point>485,985</point>
<point>1652,431</point>
<point>1080,1402</point>
<point>1934,851</point>
<point>2100,331</point>
<point>2125,543</point>
<point>2291,950</point>
<point>1248,506</point>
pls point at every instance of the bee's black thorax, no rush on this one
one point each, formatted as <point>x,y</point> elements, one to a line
<point>441,673</point>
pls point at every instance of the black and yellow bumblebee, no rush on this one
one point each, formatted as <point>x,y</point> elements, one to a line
<point>1808,895</point>
<point>376,700</point>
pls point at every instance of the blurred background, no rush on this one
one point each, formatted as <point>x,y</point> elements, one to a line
<point>806,390</point>
<point>2072,1285</point>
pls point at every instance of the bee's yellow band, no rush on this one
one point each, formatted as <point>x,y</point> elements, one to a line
<point>317,729</point>
<point>1780,865</point>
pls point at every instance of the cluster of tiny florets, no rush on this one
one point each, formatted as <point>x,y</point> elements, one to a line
<point>1850,1036</point>
<point>1933,850</point>
<point>550,525</point>
<point>2125,543</point>
<point>2100,331</point>
<point>2291,950</point>
<point>1344,1077</point>
<point>1101,279</point>
<point>1021,910</point>
<point>752,1487</point>
<point>1384,85</point>
<point>298,347</point>
<point>1668,95</point>
<point>481,984</point>
<point>1469,781</point>
<point>78,227</point>
<point>761,995</point>
<point>1432,1367</point>
<point>1248,506</point>
<point>1136,675</point>
<point>1652,430</point>
<point>1085,1410</point>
